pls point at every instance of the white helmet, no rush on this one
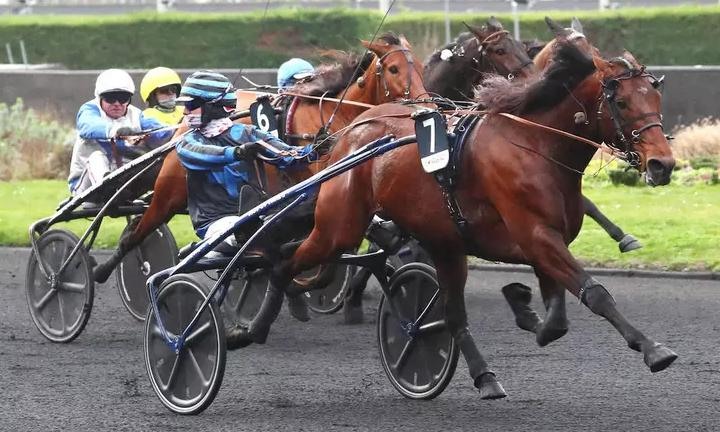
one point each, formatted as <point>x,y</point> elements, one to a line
<point>114,80</point>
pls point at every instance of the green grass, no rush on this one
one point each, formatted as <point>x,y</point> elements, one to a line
<point>678,225</point>
<point>24,202</point>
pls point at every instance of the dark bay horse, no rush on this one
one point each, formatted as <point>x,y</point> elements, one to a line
<point>454,70</point>
<point>395,74</point>
<point>519,188</point>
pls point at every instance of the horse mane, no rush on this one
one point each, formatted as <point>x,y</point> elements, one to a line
<point>435,56</point>
<point>330,79</point>
<point>542,92</point>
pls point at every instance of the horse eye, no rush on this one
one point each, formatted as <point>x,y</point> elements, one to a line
<point>621,104</point>
<point>500,51</point>
<point>393,69</point>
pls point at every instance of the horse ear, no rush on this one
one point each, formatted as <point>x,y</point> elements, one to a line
<point>601,64</point>
<point>576,25</point>
<point>556,28</point>
<point>629,57</point>
<point>477,31</point>
<point>365,43</point>
<point>404,42</point>
<point>494,25</point>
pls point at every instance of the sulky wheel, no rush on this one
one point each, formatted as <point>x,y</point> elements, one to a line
<point>330,299</point>
<point>187,381</point>
<point>157,252</point>
<point>245,295</point>
<point>59,305</point>
<point>419,357</point>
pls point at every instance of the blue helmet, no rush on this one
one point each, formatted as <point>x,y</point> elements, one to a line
<point>293,70</point>
<point>208,86</point>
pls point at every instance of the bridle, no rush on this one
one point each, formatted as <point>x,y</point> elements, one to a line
<point>608,94</point>
<point>495,37</point>
<point>379,69</point>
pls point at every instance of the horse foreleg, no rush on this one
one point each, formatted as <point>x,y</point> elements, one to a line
<point>626,242</point>
<point>452,275</point>
<point>169,198</point>
<point>555,324</point>
<point>550,256</point>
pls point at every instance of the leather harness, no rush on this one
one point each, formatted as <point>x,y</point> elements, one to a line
<point>448,177</point>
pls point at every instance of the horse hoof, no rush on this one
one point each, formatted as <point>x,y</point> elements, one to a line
<point>298,308</point>
<point>489,387</point>
<point>517,293</point>
<point>658,357</point>
<point>240,336</point>
<point>629,243</point>
<point>102,272</point>
<point>353,314</point>
<point>518,297</point>
<point>546,335</point>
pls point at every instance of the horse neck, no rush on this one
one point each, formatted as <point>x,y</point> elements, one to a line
<point>567,150</point>
<point>454,82</point>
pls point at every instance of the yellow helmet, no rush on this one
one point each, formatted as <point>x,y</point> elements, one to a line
<point>156,78</point>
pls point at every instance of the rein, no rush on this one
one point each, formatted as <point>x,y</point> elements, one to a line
<point>318,98</point>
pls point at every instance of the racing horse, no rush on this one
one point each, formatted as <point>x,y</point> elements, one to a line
<point>454,70</point>
<point>396,74</point>
<point>519,189</point>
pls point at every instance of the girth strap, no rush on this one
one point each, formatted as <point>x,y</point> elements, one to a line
<point>447,177</point>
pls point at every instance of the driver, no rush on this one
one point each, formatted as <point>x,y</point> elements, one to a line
<point>109,115</point>
<point>218,156</point>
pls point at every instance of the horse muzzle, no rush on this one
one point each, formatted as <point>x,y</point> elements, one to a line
<point>659,170</point>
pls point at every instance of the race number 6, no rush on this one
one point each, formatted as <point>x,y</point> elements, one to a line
<point>262,118</point>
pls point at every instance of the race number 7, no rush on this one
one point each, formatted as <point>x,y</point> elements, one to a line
<point>431,124</point>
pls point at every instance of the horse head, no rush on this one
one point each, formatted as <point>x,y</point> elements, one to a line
<point>397,73</point>
<point>497,49</point>
<point>628,110</point>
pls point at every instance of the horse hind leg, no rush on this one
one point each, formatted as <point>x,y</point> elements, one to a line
<point>555,324</point>
<point>452,275</point>
<point>626,242</point>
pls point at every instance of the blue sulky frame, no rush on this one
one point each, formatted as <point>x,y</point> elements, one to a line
<point>195,261</point>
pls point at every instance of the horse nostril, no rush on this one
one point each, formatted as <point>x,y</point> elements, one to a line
<point>659,170</point>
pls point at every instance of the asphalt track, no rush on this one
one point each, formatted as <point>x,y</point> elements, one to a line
<point>324,375</point>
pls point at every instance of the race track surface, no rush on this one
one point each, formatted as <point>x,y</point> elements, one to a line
<point>324,375</point>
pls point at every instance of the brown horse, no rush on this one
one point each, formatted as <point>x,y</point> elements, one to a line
<point>396,73</point>
<point>519,188</point>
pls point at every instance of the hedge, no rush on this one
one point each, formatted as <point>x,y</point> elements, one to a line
<point>669,36</point>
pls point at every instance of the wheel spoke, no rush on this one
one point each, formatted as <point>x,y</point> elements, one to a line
<point>192,337</point>
<point>404,354</point>
<point>61,311</point>
<point>46,298</point>
<point>434,326</point>
<point>73,287</point>
<point>198,369</point>
<point>157,332</point>
<point>173,374</point>
<point>242,296</point>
